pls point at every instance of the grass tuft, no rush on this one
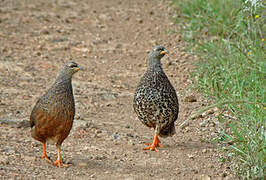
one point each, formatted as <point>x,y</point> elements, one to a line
<point>229,39</point>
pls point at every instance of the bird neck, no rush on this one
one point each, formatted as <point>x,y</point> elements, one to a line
<point>155,63</point>
<point>63,78</point>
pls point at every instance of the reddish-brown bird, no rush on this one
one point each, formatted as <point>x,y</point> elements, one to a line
<point>52,117</point>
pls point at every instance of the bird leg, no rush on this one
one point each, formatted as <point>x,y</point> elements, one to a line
<point>156,143</point>
<point>44,153</point>
<point>59,160</point>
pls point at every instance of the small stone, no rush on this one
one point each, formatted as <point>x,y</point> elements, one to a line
<point>204,177</point>
<point>82,164</point>
<point>45,32</point>
<point>186,129</point>
<point>203,123</point>
<point>224,174</point>
<point>204,150</point>
<point>116,136</point>
<point>130,135</point>
<point>191,156</point>
<point>100,157</point>
<point>38,53</point>
<point>130,142</point>
<point>204,114</point>
<point>67,20</point>
<point>139,20</point>
<point>98,131</point>
<point>79,162</point>
<point>190,98</point>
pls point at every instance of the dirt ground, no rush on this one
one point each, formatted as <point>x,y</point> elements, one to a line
<point>110,39</point>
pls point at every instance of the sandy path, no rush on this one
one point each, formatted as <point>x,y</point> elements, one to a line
<point>110,39</point>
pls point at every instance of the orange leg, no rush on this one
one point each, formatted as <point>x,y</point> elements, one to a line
<point>44,153</point>
<point>156,143</point>
<point>59,160</point>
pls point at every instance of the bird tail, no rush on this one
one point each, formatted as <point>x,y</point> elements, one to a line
<point>169,131</point>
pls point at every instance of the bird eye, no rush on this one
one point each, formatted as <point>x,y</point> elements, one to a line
<point>73,65</point>
<point>160,49</point>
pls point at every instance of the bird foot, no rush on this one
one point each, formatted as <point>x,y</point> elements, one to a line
<point>152,148</point>
<point>156,143</point>
<point>47,158</point>
<point>59,164</point>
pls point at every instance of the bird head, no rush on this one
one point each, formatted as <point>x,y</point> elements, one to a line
<point>71,68</point>
<point>158,52</point>
<point>155,56</point>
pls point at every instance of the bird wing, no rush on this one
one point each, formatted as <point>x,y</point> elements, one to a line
<point>38,112</point>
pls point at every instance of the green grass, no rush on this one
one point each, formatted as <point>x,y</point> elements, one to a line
<point>228,37</point>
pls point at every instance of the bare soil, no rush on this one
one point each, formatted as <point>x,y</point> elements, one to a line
<point>110,39</point>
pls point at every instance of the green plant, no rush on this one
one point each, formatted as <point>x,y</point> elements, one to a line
<point>228,37</point>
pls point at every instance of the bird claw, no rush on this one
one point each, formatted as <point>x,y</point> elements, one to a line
<point>59,164</point>
<point>47,158</point>
<point>157,145</point>
<point>152,148</point>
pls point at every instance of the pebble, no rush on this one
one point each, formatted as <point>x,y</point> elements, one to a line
<point>44,31</point>
<point>187,129</point>
<point>204,177</point>
<point>100,157</point>
<point>191,156</point>
<point>82,164</point>
<point>204,150</point>
<point>130,142</point>
<point>98,131</point>
<point>139,20</point>
<point>116,136</point>
<point>204,123</point>
<point>190,98</point>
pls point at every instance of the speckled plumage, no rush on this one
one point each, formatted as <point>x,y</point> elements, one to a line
<point>52,117</point>
<point>155,101</point>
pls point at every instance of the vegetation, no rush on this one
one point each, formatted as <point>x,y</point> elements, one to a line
<point>228,37</point>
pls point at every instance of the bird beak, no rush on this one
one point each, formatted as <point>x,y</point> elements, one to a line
<point>78,68</point>
<point>164,52</point>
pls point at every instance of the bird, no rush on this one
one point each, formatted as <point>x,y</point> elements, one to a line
<point>155,100</point>
<point>52,116</point>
